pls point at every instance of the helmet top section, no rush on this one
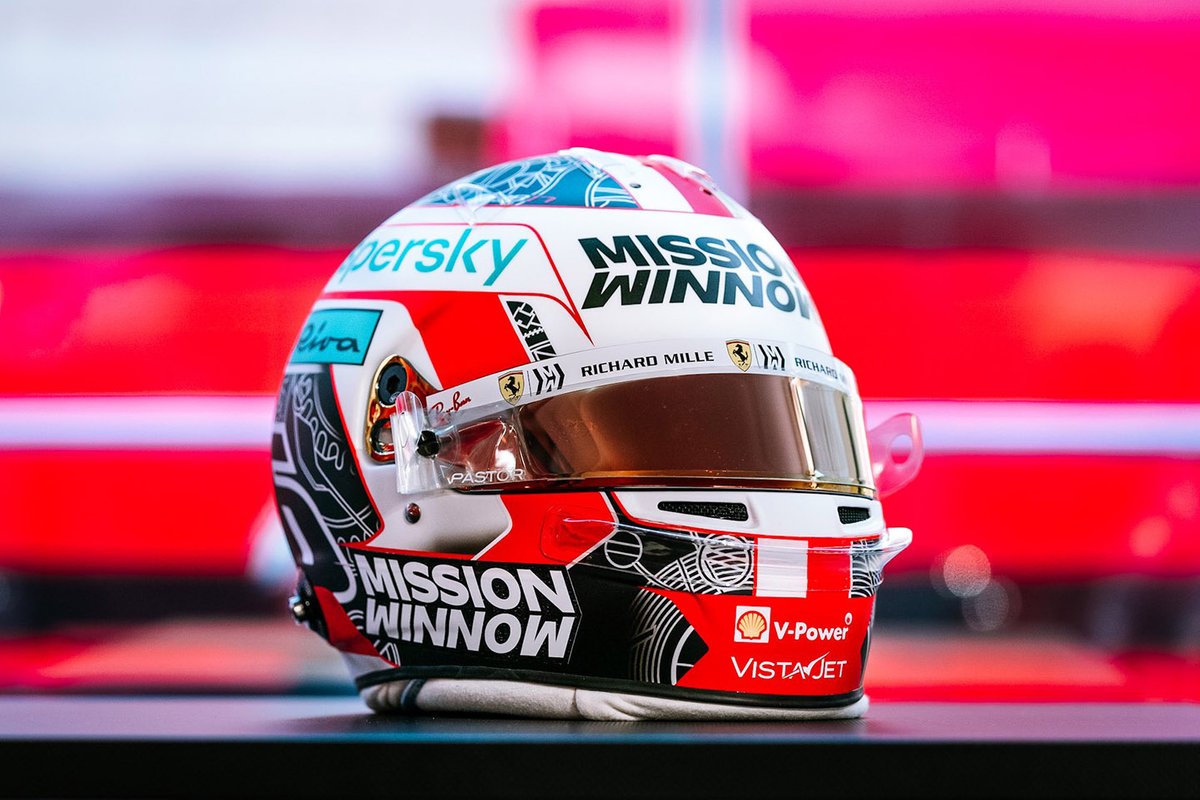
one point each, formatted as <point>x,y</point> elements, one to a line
<point>586,178</point>
<point>588,249</point>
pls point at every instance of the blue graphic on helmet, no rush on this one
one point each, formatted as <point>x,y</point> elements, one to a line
<point>336,336</point>
<point>553,180</point>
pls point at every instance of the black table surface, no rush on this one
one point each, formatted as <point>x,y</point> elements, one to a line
<point>83,745</point>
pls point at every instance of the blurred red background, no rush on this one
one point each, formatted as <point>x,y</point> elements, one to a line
<point>993,205</point>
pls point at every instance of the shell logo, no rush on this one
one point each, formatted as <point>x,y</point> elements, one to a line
<point>752,624</point>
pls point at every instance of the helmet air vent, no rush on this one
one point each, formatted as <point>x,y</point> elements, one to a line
<point>736,512</point>
<point>852,514</point>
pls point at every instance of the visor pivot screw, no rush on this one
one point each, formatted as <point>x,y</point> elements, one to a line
<point>412,512</point>
<point>299,608</point>
<point>392,381</point>
<point>427,444</point>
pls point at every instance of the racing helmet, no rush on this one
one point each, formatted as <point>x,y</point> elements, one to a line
<point>566,439</point>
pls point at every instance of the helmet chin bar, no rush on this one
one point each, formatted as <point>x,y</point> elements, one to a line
<point>726,561</point>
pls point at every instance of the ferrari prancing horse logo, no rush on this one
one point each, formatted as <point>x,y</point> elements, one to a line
<point>512,386</point>
<point>740,354</point>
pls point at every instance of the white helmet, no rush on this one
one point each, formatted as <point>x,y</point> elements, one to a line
<point>566,439</point>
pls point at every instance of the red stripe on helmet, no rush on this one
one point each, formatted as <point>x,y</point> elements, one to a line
<point>467,334</point>
<point>554,528</point>
<point>700,197</point>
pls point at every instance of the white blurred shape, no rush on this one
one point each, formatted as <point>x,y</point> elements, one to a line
<point>265,96</point>
<point>993,607</point>
<point>965,571</point>
<point>1149,537</point>
<point>270,565</point>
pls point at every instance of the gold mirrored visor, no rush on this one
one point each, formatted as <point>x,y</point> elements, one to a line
<point>706,429</point>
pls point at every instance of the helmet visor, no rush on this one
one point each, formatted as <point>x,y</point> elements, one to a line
<point>710,429</point>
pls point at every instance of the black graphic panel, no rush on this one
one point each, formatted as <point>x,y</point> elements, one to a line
<point>665,646</point>
<point>696,563</point>
<point>322,500</point>
<point>537,342</point>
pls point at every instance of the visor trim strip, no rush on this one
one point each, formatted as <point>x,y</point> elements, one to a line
<point>626,362</point>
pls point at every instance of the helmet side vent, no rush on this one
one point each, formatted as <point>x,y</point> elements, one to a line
<point>736,512</point>
<point>852,514</point>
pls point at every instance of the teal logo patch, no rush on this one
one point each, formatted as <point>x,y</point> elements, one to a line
<point>336,336</point>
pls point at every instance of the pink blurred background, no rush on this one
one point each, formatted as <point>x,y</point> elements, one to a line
<point>994,206</point>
